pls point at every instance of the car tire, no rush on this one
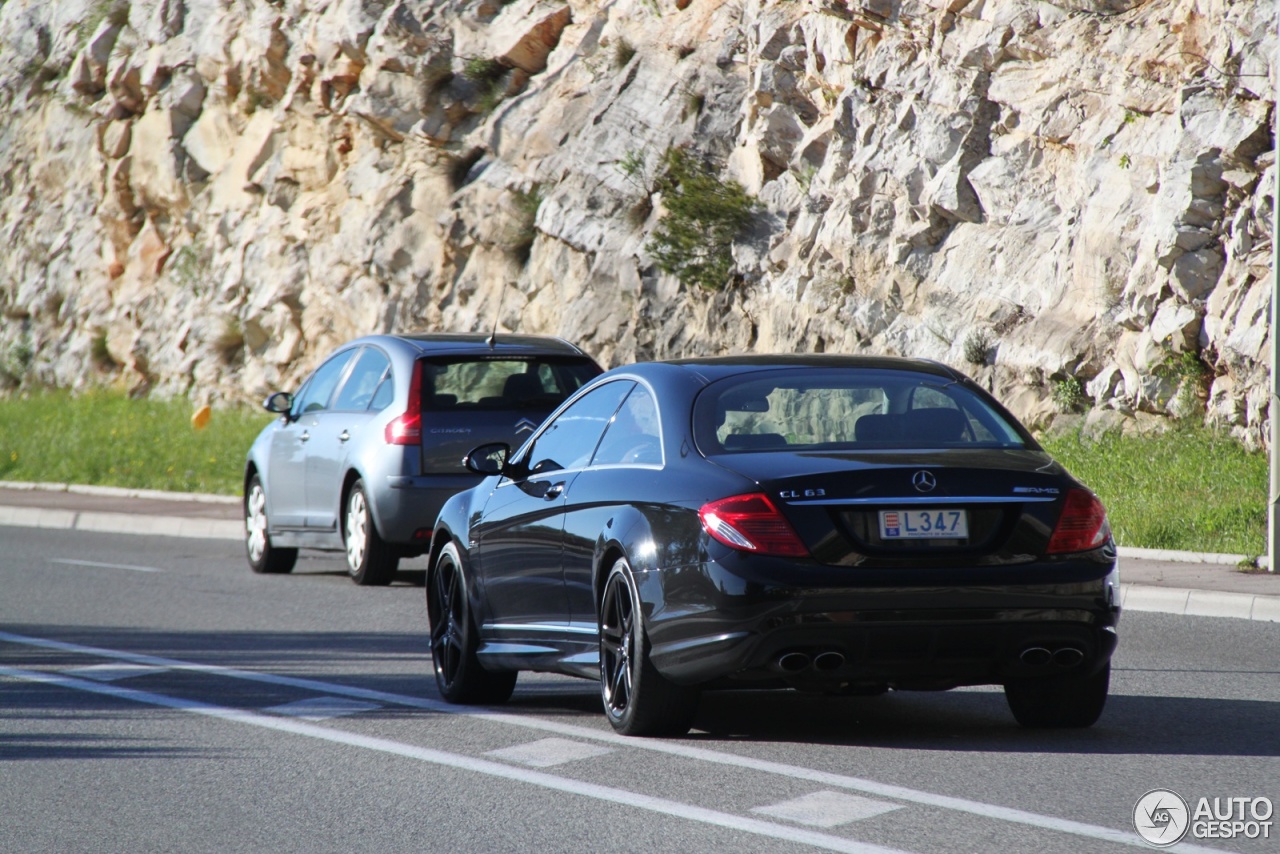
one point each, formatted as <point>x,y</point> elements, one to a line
<point>638,700</point>
<point>263,557</point>
<point>1061,703</point>
<point>370,560</point>
<point>460,676</point>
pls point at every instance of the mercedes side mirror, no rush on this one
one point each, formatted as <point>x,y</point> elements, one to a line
<point>488,459</point>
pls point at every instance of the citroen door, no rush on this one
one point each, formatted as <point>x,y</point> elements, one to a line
<point>336,430</point>
<point>287,498</point>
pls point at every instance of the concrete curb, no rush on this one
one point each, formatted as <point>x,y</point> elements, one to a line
<point>119,492</point>
<point>1200,603</point>
<point>1191,557</point>
<point>121,523</point>
<point>1134,597</point>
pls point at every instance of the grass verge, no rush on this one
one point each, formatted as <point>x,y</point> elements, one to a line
<point>1191,488</point>
<point>105,439</point>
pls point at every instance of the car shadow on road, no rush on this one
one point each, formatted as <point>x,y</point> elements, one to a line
<point>329,566</point>
<point>980,720</point>
<point>400,663</point>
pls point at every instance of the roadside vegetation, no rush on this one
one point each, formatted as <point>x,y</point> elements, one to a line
<point>704,215</point>
<point>1190,488</point>
<point>106,439</point>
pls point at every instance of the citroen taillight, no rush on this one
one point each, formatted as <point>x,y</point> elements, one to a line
<point>406,428</point>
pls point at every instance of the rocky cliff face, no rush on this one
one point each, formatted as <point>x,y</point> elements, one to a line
<point>1070,200</point>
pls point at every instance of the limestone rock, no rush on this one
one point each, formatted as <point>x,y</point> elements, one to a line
<point>1092,190</point>
<point>526,33</point>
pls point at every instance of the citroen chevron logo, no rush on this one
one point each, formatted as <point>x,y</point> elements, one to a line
<point>526,425</point>
<point>924,481</point>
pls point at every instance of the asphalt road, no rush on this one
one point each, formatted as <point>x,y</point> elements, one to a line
<point>157,696</point>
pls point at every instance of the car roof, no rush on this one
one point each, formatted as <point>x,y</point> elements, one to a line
<point>718,367</point>
<point>454,343</point>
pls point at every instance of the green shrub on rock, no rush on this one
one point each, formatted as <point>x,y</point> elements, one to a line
<point>694,239</point>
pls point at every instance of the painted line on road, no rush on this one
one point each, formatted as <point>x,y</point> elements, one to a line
<point>549,752</point>
<point>542,779</point>
<point>94,563</point>
<point>827,809</point>
<point>685,751</point>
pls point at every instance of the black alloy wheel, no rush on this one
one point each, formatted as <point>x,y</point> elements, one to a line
<point>263,557</point>
<point>1066,702</point>
<point>638,700</point>
<point>460,676</point>
<point>371,561</point>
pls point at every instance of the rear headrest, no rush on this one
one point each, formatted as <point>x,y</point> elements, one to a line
<point>877,428</point>
<point>936,425</point>
<point>753,441</point>
<point>522,387</point>
<point>916,427</point>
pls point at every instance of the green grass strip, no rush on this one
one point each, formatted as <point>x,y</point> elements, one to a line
<point>104,438</point>
<point>1190,488</point>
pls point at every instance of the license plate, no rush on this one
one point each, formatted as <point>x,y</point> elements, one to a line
<point>923,524</point>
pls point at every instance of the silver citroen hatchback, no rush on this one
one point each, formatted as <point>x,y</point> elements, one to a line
<point>366,452</point>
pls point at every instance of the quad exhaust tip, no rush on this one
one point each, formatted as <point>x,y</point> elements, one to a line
<point>794,662</point>
<point>1039,656</point>
<point>1068,656</point>
<point>1036,656</point>
<point>825,661</point>
<point>830,660</point>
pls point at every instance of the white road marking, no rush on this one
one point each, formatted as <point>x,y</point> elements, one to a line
<point>112,672</point>
<point>828,809</point>
<point>825,779</point>
<point>323,708</point>
<point>548,752</point>
<point>95,563</point>
<point>622,797</point>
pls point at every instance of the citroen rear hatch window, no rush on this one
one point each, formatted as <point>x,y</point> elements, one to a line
<point>467,400</point>
<point>533,383</point>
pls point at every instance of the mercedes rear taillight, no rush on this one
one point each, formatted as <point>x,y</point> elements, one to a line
<point>1082,526</point>
<point>751,523</point>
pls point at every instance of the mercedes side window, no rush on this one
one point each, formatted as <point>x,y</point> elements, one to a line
<point>317,391</point>
<point>358,390</point>
<point>633,436</point>
<point>569,441</point>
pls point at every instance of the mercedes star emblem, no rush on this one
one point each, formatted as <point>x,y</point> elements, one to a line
<point>924,481</point>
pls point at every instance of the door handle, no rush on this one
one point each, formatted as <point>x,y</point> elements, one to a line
<point>304,437</point>
<point>553,491</point>
<point>344,436</point>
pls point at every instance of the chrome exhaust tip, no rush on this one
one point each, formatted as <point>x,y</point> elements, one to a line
<point>1068,656</point>
<point>1036,656</point>
<point>793,662</point>
<point>829,660</point>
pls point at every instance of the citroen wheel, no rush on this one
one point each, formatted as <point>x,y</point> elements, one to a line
<point>263,556</point>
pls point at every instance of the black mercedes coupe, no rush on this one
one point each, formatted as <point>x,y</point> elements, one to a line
<point>828,523</point>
